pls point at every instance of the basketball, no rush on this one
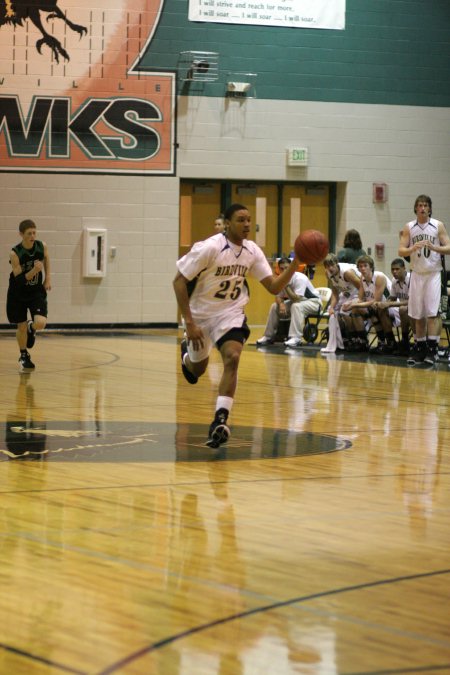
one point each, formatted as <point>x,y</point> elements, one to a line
<point>311,246</point>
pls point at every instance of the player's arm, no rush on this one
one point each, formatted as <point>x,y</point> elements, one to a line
<point>17,268</point>
<point>194,333</point>
<point>334,300</point>
<point>360,302</point>
<point>15,264</point>
<point>280,302</point>
<point>404,249</point>
<point>47,280</point>
<point>275,283</point>
<point>380,287</point>
<point>293,297</point>
<point>401,303</point>
<point>444,241</point>
<point>353,278</point>
<point>393,301</point>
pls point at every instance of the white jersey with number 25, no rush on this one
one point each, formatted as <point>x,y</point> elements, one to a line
<point>219,270</point>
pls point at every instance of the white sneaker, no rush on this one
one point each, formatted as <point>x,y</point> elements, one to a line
<point>294,342</point>
<point>264,341</point>
<point>325,350</point>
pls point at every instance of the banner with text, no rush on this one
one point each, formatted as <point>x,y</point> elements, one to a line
<point>292,13</point>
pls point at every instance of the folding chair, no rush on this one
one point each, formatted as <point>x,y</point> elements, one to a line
<point>313,321</point>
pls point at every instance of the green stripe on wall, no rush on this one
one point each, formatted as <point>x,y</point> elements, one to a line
<point>391,52</point>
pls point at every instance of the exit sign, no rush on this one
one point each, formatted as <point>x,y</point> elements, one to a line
<point>297,156</point>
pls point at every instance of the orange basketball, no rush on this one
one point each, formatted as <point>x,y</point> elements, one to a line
<point>311,246</point>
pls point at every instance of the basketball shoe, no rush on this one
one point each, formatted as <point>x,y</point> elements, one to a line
<point>190,377</point>
<point>219,433</point>
<point>264,340</point>
<point>431,355</point>
<point>417,353</point>
<point>294,342</point>
<point>25,363</point>
<point>382,348</point>
<point>443,353</point>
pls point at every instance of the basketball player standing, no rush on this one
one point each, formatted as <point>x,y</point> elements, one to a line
<point>29,282</point>
<point>211,290</point>
<point>425,240</point>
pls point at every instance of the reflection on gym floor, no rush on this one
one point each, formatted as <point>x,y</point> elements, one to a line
<point>314,542</point>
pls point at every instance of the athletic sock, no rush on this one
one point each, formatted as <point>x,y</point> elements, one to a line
<point>224,402</point>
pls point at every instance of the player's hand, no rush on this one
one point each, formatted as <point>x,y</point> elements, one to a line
<point>431,246</point>
<point>38,266</point>
<point>195,336</point>
<point>420,244</point>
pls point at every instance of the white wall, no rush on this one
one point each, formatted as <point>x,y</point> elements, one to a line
<point>141,216</point>
<point>354,145</point>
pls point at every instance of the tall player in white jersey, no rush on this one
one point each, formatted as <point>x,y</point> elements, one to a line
<point>211,290</point>
<point>425,240</point>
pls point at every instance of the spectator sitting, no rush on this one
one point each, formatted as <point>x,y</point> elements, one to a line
<point>297,300</point>
<point>352,247</point>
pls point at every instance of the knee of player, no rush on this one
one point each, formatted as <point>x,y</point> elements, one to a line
<point>39,322</point>
<point>231,359</point>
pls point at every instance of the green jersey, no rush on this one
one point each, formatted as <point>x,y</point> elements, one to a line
<point>27,256</point>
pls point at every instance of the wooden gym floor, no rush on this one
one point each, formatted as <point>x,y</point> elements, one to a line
<point>316,543</point>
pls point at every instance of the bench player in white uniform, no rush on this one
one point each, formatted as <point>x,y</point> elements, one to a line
<point>374,286</point>
<point>425,240</point>
<point>397,303</point>
<point>211,290</point>
<point>344,280</point>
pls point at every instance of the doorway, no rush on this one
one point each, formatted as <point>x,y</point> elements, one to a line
<point>279,212</point>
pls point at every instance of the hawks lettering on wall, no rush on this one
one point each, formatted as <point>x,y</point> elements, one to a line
<point>72,97</point>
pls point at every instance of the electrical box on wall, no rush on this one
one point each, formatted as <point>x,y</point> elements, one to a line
<point>94,252</point>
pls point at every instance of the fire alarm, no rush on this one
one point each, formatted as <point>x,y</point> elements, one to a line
<point>379,194</point>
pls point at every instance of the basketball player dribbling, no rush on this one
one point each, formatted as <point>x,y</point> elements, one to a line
<point>211,290</point>
<point>425,240</point>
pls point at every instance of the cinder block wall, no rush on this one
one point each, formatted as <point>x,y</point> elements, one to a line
<point>141,218</point>
<point>368,102</point>
<point>354,145</point>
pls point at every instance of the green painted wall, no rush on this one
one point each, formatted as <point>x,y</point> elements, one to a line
<point>391,52</point>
